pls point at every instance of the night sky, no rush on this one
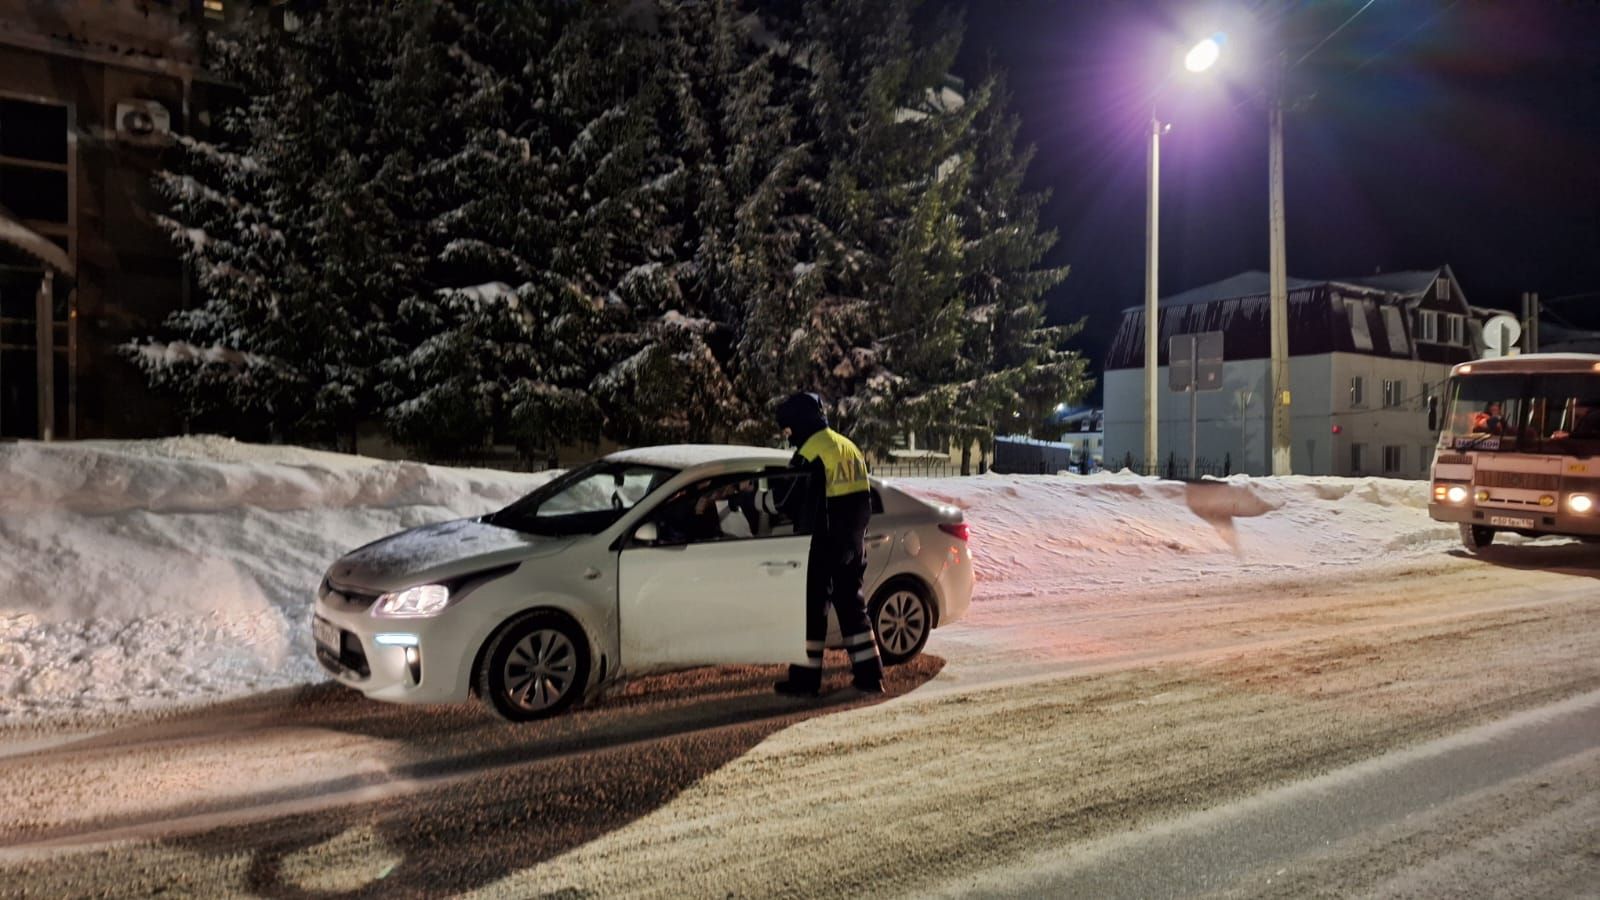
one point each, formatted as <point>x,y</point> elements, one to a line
<point>1426,132</point>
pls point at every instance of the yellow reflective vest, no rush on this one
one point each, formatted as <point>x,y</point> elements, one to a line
<point>846,468</point>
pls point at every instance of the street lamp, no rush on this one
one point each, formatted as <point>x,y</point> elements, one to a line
<point>1201,57</point>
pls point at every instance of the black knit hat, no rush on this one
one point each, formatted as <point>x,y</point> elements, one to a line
<point>802,414</point>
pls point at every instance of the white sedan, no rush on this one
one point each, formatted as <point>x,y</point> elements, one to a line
<point>644,561</point>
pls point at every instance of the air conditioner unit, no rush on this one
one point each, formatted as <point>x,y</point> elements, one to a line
<point>142,121</point>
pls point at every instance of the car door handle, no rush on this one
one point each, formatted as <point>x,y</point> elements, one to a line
<point>780,564</point>
<point>879,538</point>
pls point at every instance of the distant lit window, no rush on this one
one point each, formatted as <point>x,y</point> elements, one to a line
<point>215,9</point>
<point>1394,392</point>
<point>1358,391</point>
<point>1393,458</point>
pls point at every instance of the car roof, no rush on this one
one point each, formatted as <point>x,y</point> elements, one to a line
<point>689,456</point>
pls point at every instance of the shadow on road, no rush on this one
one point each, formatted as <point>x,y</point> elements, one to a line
<point>460,799</point>
<point>1567,558</point>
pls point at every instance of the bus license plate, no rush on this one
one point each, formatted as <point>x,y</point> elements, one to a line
<point>1510,522</point>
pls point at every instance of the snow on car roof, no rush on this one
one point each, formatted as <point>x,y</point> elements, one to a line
<point>685,456</point>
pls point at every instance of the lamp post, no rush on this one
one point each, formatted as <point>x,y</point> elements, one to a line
<point>1201,56</point>
<point>1277,284</point>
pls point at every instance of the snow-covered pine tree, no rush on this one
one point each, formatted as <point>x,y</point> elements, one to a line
<point>885,177</point>
<point>301,215</point>
<point>1020,369</point>
<point>735,235</point>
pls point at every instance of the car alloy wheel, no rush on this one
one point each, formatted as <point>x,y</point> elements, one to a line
<point>535,667</point>
<point>540,669</point>
<point>900,617</point>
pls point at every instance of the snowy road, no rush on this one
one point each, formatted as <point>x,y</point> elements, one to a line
<point>1046,744</point>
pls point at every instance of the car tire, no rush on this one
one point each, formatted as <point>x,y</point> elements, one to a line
<point>535,667</point>
<point>902,618</point>
<point>1476,537</point>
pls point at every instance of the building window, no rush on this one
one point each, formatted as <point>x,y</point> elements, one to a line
<point>34,167</point>
<point>1358,394</point>
<point>1393,459</point>
<point>1394,393</point>
<point>1458,329</point>
<point>215,10</point>
<point>1355,458</point>
<point>1360,331</point>
<point>1427,326</point>
<point>1425,457</point>
<point>1441,289</point>
<point>1394,328</point>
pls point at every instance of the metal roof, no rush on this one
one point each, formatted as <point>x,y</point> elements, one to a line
<point>1257,284</point>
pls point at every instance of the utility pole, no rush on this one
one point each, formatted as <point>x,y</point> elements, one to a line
<point>1152,311</point>
<point>1277,281</point>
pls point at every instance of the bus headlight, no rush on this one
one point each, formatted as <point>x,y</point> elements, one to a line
<point>1456,494</point>
<point>1580,503</point>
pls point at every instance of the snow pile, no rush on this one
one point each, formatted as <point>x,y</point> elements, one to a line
<point>1067,534</point>
<point>148,573</point>
<point>142,573</point>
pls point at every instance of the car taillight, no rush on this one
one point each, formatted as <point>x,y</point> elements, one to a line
<point>957,530</point>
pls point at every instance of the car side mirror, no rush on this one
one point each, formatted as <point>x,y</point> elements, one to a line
<point>646,533</point>
<point>1433,413</point>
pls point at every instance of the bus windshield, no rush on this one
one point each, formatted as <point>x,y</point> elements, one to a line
<point>1555,413</point>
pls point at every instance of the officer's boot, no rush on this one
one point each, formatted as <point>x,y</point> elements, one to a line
<point>803,681</point>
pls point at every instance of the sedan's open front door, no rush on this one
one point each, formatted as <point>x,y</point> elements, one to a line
<point>714,586</point>
<point>737,601</point>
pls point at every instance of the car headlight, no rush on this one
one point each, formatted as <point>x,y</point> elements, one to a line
<point>1456,494</point>
<point>414,602</point>
<point>1580,503</point>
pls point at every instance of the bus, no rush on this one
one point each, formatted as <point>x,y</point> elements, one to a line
<point>1519,450</point>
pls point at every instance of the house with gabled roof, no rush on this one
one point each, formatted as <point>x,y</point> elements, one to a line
<point>1365,355</point>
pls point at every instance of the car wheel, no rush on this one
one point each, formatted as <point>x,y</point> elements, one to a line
<point>1476,537</point>
<point>902,617</point>
<point>535,667</point>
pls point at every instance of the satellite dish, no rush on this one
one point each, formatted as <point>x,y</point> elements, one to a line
<point>1501,333</point>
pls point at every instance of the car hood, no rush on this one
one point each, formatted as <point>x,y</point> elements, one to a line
<point>436,552</point>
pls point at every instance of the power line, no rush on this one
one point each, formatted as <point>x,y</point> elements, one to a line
<point>1405,37</point>
<point>1333,33</point>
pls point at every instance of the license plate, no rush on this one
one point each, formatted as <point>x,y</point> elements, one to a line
<point>326,634</point>
<point>1510,521</point>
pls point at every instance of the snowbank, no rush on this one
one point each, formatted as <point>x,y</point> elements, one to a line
<point>145,573</point>
<point>1070,534</point>
<point>151,573</point>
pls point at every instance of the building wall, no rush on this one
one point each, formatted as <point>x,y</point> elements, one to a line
<point>89,57</point>
<point>1233,424</point>
<point>1373,425</point>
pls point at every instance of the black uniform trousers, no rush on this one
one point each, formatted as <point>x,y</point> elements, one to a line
<point>834,572</point>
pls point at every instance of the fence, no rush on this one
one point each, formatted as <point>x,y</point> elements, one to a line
<point>502,462</point>
<point>1174,468</point>
<point>930,468</point>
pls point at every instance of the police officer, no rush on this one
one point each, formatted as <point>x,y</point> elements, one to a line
<point>838,560</point>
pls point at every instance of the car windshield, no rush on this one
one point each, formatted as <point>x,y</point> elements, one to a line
<point>586,500</point>
<point>1557,413</point>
